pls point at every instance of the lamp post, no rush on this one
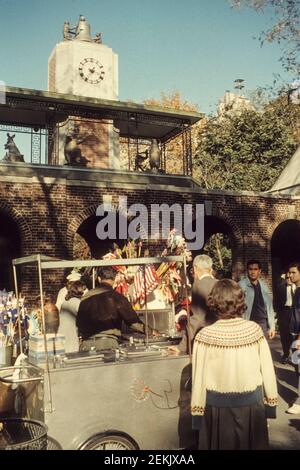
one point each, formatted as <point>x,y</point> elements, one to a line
<point>239,84</point>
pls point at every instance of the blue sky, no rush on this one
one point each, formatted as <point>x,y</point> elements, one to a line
<point>198,47</point>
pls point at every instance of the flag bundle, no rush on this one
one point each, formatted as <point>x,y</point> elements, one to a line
<point>144,284</point>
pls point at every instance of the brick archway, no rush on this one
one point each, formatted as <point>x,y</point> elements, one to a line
<point>15,242</point>
<point>236,241</point>
<point>85,223</point>
<point>19,220</point>
<point>236,232</point>
<point>272,227</point>
<point>75,224</point>
<point>284,249</point>
<point>285,244</point>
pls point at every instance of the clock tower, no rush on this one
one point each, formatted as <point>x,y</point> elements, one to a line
<point>84,66</point>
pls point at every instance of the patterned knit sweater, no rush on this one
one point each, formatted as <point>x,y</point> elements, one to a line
<point>232,366</point>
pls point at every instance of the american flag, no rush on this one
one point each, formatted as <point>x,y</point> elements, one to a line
<point>140,291</point>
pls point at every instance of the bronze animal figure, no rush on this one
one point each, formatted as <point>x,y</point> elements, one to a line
<point>72,150</point>
<point>13,154</point>
<point>154,156</point>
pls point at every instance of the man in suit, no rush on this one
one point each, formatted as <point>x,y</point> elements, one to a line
<point>202,287</point>
<point>284,308</point>
<point>294,271</point>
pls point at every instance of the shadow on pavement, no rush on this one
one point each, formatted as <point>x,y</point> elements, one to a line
<point>285,374</point>
<point>295,423</point>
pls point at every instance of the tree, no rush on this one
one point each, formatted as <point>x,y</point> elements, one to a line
<point>175,101</point>
<point>285,29</point>
<point>174,161</point>
<point>219,249</point>
<point>245,151</point>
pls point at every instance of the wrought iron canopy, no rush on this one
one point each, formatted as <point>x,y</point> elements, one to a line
<point>36,107</point>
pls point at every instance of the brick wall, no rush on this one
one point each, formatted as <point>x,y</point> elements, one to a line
<point>49,207</point>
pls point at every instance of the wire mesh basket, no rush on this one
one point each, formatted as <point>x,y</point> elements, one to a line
<point>52,444</point>
<point>22,434</point>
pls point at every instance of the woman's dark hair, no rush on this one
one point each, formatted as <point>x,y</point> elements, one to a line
<point>226,300</point>
<point>76,289</point>
<point>47,297</point>
<point>87,280</point>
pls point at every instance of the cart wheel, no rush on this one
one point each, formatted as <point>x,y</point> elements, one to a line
<point>109,441</point>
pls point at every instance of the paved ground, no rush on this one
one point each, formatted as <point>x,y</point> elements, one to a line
<point>284,432</point>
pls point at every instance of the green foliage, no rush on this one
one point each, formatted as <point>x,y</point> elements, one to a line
<point>219,249</point>
<point>245,150</point>
<point>174,150</point>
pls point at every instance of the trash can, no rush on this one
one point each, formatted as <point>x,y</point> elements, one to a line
<point>22,434</point>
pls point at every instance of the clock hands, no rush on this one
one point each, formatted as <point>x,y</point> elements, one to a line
<point>91,70</point>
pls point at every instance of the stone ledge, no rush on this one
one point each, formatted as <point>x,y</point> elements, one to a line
<point>28,174</point>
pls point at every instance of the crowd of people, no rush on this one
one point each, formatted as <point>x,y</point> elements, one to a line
<point>92,318</point>
<point>234,384</point>
<point>234,387</point>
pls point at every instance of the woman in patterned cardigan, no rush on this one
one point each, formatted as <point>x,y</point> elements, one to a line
<point>234,384</point>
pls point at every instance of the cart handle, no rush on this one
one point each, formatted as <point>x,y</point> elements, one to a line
<point>5,379</point>
<point>20,381</point>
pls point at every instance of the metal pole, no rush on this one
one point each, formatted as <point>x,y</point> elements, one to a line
<point>187,309</point>
<point>44,331</point>
<point>183,154</point>
<point>191,152</point>
<point>94,280</point>
<point>18,309</point>
<point>128,154</point>
<point>164,156</point>
<point>146,307</point>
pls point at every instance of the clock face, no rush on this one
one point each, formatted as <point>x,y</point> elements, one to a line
<point>91,71</point>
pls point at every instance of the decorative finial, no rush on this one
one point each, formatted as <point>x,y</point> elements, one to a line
<point>81,32</point>
<point>98,38</point>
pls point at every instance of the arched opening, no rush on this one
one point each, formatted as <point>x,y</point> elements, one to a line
<point>10,248</point>
<point>87,244</point>
<point>285,248</point>
<point>218,245</point>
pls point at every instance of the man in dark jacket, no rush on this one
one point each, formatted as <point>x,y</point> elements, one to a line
<point>284,308</point>
<point>294,271</point>
<point>202,287</point>
<point>101,313</point>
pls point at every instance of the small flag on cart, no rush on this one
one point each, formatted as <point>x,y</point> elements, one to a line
<point>140,290</point>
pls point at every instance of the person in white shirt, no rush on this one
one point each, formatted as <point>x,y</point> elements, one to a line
<point>284,307</point>
<point>61,296</point>
<point>294,272</point>
<point>68,314</point>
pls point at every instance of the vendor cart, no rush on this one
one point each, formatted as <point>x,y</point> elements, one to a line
<point>137,397</point>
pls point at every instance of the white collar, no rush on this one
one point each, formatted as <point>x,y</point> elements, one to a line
<point>205,275</point>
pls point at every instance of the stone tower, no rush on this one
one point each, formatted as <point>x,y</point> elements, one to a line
<point>83,66</point>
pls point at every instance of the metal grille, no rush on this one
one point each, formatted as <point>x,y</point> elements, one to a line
<point>31,141</point>
<point>22,434</point>
<point>36,147</point>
